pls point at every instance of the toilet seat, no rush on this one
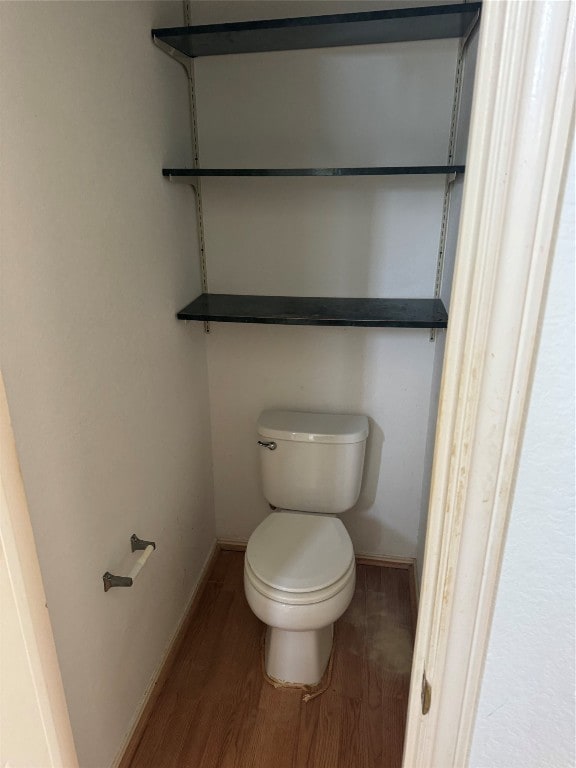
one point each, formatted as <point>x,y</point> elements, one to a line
<point>299,558</point>
<point>299,598</point>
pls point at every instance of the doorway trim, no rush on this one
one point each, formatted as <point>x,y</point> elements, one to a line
<point>49,730</point>
<point>520,137</point>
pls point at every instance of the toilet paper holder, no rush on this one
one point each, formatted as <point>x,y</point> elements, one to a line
<point>110,580</point>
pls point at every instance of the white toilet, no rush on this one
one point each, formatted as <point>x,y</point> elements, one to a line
<point>299,569</point>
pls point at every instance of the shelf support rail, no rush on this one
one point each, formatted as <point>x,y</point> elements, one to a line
<point>189,66</point>
<point>451,178</point>
<point>196,185</point>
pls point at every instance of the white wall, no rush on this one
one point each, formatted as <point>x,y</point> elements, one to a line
<point>373,105</point>
<point>221,11</point>
<point>526,713</point>
<point>108,391</point>
<point>382,373</point>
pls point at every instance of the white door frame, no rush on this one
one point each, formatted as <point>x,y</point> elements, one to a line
<point>521,131</point>
<point>50,732</point>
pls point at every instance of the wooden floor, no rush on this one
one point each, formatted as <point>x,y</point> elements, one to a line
<point>215,709</point>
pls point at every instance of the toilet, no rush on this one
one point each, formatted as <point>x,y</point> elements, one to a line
<point>299,567</point>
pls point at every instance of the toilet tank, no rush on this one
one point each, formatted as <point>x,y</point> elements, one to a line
<point>317,463</point>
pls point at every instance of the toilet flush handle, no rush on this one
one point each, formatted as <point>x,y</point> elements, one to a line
<point>270,444</point>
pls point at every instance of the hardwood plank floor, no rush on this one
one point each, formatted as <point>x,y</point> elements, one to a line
<point>215,709</point>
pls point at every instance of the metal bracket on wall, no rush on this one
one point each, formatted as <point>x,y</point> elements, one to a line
<point>170,51</point>
<point>136,543</point>
<point>188,181</point>
<point>451,178</point>
<point>188,65</point>
<point>115,581</point>
<point>197,186</point>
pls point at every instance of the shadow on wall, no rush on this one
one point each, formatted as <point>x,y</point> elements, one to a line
<point>370,515</point>
<point>372,463</point>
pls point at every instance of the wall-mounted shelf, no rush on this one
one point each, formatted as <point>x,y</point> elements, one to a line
<point>185,174</point>
<point>392,26</point>
<point>374,27</point>
<point>296,310</point>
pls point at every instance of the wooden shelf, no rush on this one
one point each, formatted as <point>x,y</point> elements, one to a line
<point>396,25</point>
<point>392,26</point>
<point>187,175</point>
<point>298,310</point>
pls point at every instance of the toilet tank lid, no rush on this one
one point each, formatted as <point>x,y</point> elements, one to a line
<point>313,427</point>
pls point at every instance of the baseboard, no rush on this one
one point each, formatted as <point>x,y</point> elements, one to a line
<point>233,545</point>
<point>413,583</point>
<point>386,561</point>
<point>390,561</point>
<point>126,754</point>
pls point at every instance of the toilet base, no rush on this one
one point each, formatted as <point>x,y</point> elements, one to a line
<point>298,657</point>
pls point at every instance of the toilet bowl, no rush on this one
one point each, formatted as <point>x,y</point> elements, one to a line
<point>299,568</point>
<point>299,578</point>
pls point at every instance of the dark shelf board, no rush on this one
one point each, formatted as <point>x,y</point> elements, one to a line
<point>297,310</point>
<point>183,173</point>
<point>391,26</point>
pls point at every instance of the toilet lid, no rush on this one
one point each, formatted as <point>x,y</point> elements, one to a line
<point>294,552</point>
